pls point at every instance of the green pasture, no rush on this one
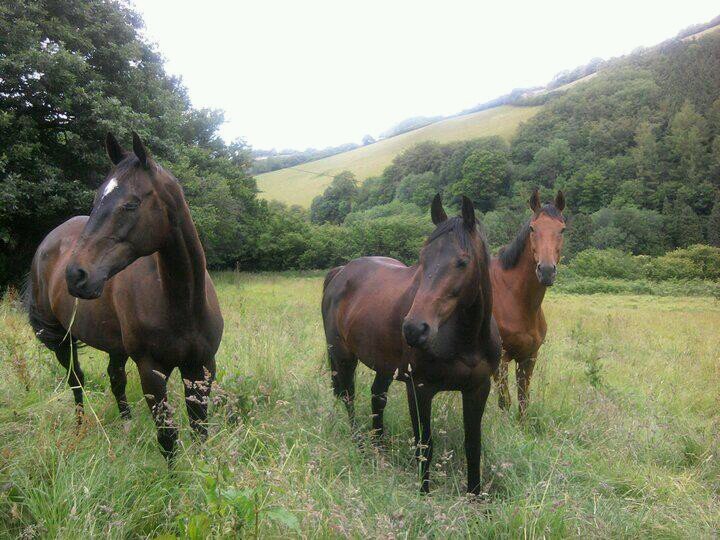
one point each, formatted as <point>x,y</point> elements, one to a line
<point>622,438</point>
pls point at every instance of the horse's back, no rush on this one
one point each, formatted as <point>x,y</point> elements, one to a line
<point>46,279</point>
<point>364,303</point>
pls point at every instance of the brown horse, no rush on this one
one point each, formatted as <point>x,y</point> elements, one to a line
<point>160,307</point>
<point>428,325</point>
<point>520,275</point>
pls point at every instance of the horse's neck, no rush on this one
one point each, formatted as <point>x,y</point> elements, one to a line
<point>182,261</point>
<point>530,291</point>
<point>478,314</point>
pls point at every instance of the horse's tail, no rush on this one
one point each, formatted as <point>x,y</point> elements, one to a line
<point>48,330</point>
<point>330,275</point>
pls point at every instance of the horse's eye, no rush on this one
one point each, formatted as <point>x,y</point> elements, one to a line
<point>532,229</point>
<point>562,231</point>
<point>461,263</point>
<point>130,206</point>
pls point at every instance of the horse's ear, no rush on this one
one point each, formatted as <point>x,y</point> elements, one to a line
<point>437,212</point>
<point>534,201</point>
<point>140,151</point>
<point>468,213</point>
<point>113,149</point>
<point>560,201</point>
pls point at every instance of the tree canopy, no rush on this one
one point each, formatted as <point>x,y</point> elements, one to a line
<point>73,70</point>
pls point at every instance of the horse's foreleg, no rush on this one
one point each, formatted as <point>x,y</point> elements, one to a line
<point>379,400</point>
<point>523,373</point>
<point>118,381</point>
<point>473,408</point>
<point>197,381</point>
<point>153,378</point>
<point>76,378</point>
<point>420,405</point>
<point>501,382</point>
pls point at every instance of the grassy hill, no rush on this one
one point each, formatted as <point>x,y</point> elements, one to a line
<point>298,185</point>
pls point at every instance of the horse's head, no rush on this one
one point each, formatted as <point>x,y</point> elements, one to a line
<point>547,226</point>
<point>131,218</point>
<point>448,273</point>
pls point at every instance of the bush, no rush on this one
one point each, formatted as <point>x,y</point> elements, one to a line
<point>399,237</point>
<point>394,208</point>
<point>608,263</point>
<point>694,262</point>
<point>327,246</point>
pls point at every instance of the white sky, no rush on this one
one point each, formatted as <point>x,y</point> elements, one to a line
<point>318,73</point>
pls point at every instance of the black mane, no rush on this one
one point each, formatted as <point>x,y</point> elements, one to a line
<point>510,255</point>
<point>455,225</point>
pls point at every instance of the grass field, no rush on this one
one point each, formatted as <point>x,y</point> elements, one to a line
<point>622,439</point>
<point>299,185</point>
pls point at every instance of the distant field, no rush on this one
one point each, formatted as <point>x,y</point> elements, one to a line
<point>621,441</point>
<point>299,185</point>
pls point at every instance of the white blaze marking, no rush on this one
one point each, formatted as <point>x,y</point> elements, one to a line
<point>112,184</point>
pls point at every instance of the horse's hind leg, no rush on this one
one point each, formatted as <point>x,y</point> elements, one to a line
<point>343,365</point>
<point>379,400</point>
<point>197,381</point>
<point>523,374</point>
<point>118,381</point>
<point>501,382</point>
<point>153,378</point>
<point>76,377</point>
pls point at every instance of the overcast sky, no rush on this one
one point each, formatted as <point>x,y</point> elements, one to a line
<point>318,73</point>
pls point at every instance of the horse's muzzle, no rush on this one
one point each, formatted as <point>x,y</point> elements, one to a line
<point>80,285</point>
<point>416,333</point>
<point>546,274</point>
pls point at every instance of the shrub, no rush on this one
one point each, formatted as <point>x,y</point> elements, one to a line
<point>399,237</point>
<point>694,262</point>
<point>609,263</point>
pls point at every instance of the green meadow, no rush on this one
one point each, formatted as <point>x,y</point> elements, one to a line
<point>299,185</point>
<point>622,437</point>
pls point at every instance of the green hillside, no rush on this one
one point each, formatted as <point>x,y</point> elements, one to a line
<point>298,185</point>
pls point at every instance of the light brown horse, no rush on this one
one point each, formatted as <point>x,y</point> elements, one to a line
<point>428,325</point>
<point>520,276</point>
<point>160,307</point>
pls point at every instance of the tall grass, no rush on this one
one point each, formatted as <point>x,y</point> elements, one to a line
<point>622,437</point>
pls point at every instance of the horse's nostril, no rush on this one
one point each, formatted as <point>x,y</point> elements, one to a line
<point>77,275</point>
<point>416,334</point>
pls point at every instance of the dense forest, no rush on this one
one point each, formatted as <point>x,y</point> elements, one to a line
<point>636,150</point>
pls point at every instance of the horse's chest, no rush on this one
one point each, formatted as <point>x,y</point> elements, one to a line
<point>523,342</point>
<point>455,374</point>
<point>166,342</point>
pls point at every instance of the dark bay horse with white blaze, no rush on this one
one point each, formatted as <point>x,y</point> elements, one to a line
<point>160,307</point>
<point>520,275</point>
<point>428,325</point>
